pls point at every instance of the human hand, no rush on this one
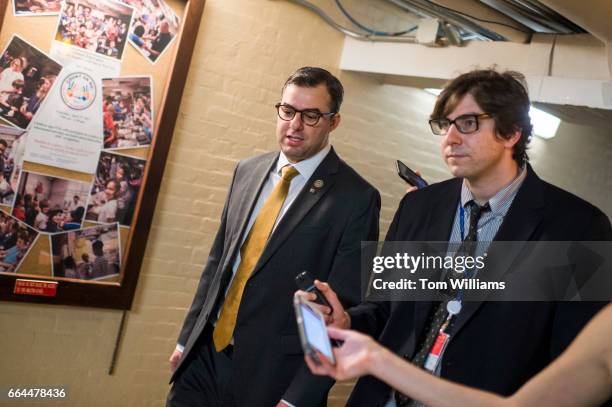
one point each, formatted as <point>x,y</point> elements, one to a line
<point>174,359</point>
<point>354,358</point>
<point>312,297</point>
<point>338,317</point>
<point>412,188</point>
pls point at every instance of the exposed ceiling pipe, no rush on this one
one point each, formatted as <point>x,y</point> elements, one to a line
<point>549,14</point>
<point>458,20</point>
<point>425,7</point>
<point>348,32</point>
<point>422,13</point>
<point>528,20</point>
<point>453,35</point>
<point>534,16</point>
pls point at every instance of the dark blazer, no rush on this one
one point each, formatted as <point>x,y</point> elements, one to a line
<point>321,232</point>
<point>495,346</point>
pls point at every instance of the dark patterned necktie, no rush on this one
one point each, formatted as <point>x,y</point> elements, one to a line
<point>437,318</point>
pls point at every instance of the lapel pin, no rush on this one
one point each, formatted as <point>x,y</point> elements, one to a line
<point>318,184</point>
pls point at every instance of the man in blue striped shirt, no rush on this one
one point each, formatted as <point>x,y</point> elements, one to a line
<point>482,118</point>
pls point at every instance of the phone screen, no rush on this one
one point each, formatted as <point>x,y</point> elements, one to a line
<point>316,333</point>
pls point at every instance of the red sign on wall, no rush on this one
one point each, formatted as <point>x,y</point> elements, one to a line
<point>35,287</point>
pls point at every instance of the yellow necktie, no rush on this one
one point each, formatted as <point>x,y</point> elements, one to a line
<point>250,252</point>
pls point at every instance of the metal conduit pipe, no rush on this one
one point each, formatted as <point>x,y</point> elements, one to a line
<point>428,8</point>
<point>409,7</point>
<point>461,21</point>
<point>351,33</point>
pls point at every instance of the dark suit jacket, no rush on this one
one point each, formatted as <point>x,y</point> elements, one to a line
<point>496,346</point>
<point>321,232</point>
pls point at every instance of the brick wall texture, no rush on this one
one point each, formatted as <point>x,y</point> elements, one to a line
<point>244,51</point>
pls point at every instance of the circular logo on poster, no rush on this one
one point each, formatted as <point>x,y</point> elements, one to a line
<point>78,91</point>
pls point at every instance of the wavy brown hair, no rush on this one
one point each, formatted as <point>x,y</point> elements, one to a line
<point>502,95</point>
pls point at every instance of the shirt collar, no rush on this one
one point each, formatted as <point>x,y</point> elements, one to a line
<point>501,201</point>
<point>305,167</point>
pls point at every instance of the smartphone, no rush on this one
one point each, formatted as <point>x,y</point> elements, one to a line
<point>313,333</point>
<point>305,282</point>
<point>410,176</point>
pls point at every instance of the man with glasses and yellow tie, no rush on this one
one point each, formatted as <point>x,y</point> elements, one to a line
<point>298,209</point>
<point>482,119</point>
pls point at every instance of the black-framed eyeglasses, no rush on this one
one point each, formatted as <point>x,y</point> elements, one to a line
<point>310,117</point>
<point>466,124</point>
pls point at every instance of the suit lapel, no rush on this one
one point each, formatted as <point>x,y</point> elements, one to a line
<point>442,213</point>
<point>303,203</point>
<point>520,223</point>
<point>248,192</point>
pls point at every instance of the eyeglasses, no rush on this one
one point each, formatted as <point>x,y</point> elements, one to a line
<point>310,117</point>
<point>466,124</point>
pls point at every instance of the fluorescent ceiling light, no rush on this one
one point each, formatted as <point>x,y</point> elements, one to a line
<point>433,91</point>
<point>545,125</point>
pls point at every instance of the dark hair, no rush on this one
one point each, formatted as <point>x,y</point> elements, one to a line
<point>309,77</point>
<point>139,31</point>
<point>23,236</point>
<point>18,83</point>
<point>36,75</point>
<point>503,96</point>
<point>4,143</point>
<point>42,81</point>
<point>54,212</point>
<point>97,248</point>
<point>69,263</point>
<point>77,214</point>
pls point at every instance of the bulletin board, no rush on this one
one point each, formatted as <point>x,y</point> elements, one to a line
<point>89,96</point>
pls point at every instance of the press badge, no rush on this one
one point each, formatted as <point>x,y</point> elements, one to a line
<point>433,359</point>
<point>431,363</point>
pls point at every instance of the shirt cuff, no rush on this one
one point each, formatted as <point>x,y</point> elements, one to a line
<point>181,349</point>
<point>287,403</point>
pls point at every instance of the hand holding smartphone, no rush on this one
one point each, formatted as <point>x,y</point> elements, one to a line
<point>410,176</point>
<point>305,282</point>
<point>313,332</point>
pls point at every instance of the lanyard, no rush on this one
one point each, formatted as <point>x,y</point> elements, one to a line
<point>462,221</point>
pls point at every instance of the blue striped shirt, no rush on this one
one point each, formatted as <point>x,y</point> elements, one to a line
<point>490,221</point>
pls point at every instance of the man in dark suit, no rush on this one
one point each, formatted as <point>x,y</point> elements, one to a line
<point>300,209</point>
<point>482,118</point>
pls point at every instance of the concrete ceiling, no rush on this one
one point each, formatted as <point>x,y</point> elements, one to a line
<point>594,16</point>
<point>569,75</point>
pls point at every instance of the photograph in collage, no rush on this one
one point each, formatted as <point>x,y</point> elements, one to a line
<point>16,239</point>
<point>127,112</point>
<point>99,26</point>
<point>50,204</point>
<point>115,188</point>
<point>91,253</point>
<point>12,147</point>
<point>155,26</point>
<point>26,76</point>
<point>36,7</point>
